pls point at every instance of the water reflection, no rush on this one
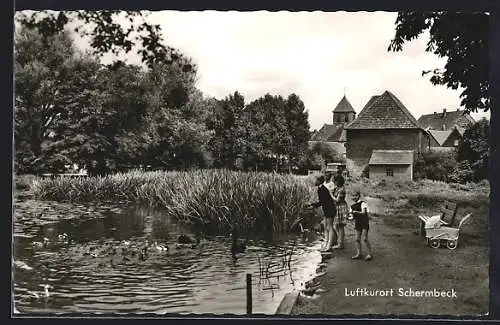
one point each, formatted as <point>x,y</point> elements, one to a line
<point>100,268</point>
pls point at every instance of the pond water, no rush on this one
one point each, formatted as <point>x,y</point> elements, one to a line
<point>101,266</point>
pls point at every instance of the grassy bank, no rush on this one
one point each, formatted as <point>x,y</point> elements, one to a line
<point>211,199</point>
<point>435,191</point>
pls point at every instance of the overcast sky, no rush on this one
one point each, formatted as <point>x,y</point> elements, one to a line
<point>312,54</point>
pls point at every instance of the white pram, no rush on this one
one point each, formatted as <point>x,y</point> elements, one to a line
<point>437,232</point>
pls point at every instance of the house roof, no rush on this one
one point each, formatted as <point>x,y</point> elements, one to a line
<point>344,106</point>
<point>326,131</point>
<point>330,132</point>
<point>391,157</point>
<point>384,112</point>
<point>448,119</point>
<point>440,136</point>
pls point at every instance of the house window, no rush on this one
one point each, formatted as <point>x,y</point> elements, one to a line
<point>346,118</point>
<point>338,118</point>
<point>455,143</point>
<point>389,172</point>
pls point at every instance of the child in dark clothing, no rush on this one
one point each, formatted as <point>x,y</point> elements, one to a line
<point>359,212</point>
<point>326,202</point>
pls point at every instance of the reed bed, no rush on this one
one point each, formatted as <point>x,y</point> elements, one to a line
<point>212,200</point>
<point>217,200</point>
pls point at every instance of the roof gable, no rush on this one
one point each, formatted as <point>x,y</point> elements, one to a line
<point>391,157</point>
<point>384,112</point>
<point>344,106</point>
<point>440,136</point>
<point>448,119</point>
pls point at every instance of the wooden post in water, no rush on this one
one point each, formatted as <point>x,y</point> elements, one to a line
<point>249,294</point>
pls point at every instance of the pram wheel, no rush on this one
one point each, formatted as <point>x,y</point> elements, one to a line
<point>434,243</point>
<point>451,244</point>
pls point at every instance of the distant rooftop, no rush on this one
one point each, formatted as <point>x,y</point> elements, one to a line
<point>446,120</point>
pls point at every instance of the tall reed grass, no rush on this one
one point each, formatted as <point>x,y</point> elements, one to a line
<point>214,200</point>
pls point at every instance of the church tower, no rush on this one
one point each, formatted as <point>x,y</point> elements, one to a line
<point>344,113</point>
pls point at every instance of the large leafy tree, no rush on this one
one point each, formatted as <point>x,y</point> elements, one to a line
<point>266,131</point>
<point>462,38</point>
<point>298,130</point>
<point>109,31</point>
<point>276,132</point>
<point>42,66</point>
<point>174,132</point>
<point>71,109</point>
<point>100,130</point>
<point>225,120</point>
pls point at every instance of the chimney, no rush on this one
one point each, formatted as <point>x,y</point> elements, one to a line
<point>444,127</point>
<point>435,113</point>
<point>444,112</point>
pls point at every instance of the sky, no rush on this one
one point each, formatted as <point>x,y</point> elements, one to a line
<point>320,56</point>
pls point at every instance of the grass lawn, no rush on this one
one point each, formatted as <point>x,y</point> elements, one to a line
<point>403,260</point>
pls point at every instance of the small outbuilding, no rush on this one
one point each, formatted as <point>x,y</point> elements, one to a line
<point>391,164</point>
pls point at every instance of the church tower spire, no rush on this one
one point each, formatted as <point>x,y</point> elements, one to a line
<point>343,113</point>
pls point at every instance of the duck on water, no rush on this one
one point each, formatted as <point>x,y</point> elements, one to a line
<point>237,245</point>
<point>45,294</point>
<point>186,241</point>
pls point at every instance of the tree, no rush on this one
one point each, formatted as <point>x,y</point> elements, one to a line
<point>174,132</point>
<point>42,66</point>
<point>298,129</point>
<point>99,129</point>
<point>460,37</point>
<point>71,109</point>
<point>112,31</point>
<point>266,132</point>
<point>227,141</point>
<point>474,149</point>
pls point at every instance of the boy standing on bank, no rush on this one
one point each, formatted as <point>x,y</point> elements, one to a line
<point>359,212</point>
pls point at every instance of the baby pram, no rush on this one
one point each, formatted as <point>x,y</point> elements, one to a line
<point>438,233</point>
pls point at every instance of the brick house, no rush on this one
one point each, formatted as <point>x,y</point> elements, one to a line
<point>446,120</point>
<point>391,164</point>
<point>383,124</point>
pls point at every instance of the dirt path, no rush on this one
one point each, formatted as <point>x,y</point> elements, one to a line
<point>401,260</point>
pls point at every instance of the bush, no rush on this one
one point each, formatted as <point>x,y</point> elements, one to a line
<point>435,165</point>
<point>463,173</point>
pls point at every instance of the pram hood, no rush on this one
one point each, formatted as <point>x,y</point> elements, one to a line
<point>433,222</point>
